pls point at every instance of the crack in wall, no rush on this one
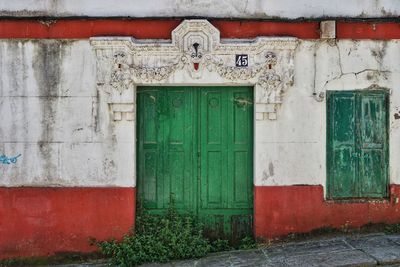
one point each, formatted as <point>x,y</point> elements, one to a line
<point>339,77</point>
<point>374,72</point>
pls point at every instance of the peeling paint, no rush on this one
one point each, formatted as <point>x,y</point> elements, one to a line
<point>47,23</point>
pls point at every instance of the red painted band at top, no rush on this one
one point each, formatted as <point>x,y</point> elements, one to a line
<point>147,29</point>
<point>368,30</point>
<point>161,29</point>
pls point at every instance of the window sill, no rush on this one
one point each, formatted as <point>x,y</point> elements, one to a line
<point>358,200</point>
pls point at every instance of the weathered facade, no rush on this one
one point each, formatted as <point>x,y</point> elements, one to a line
<point>274,127</point>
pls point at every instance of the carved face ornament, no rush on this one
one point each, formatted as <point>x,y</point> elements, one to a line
<point>196,55</point>
<point>270,59</point>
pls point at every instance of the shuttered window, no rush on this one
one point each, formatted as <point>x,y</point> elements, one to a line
<point>357,139</point>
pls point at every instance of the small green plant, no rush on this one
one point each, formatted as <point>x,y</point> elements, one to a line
<point>159,239</point>
<point>247,243</point>
<point>220,245</point>
<point>392,229</point>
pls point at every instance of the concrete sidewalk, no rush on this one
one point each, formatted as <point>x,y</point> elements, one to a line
<point>354,250</point>
<point>362,250</point>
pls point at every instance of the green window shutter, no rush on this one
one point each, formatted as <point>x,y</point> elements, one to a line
<point>342,145</point>
<point>357,144</point>
<point>373,144</point>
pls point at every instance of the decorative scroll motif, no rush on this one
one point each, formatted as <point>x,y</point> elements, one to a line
<point>121,76</point>
<point>196,55</point>
<point>125,75</point>
<point>230,72</point>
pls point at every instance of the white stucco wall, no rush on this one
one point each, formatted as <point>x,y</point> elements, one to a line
<point>251,9</point>
<point>53,115</point>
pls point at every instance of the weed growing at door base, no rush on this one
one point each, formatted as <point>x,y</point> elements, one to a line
<point>162,238</point>
<point>159,239</point>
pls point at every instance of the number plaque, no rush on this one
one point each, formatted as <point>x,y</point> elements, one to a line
<point>242,60</point>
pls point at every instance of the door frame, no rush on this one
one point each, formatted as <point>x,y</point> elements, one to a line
<point>207,212</point>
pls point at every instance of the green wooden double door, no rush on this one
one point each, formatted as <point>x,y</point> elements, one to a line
<point>195,145</point>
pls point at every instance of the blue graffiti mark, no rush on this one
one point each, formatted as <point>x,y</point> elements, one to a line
<point>6,160</point>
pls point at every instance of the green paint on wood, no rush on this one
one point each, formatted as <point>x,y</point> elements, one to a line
<point>196,144</point>
<point>357,157</point>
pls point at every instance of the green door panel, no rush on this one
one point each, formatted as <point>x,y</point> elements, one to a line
<point>240,150</point>
<point>226,159</point>
<point>196,145</point>
<point>213,145</point>
<point>357,144</point>
<point>177,154</point>
<point>165,148</point>
<point>151,148</point>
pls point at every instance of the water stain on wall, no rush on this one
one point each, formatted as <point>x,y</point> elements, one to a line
<point>48,56</point>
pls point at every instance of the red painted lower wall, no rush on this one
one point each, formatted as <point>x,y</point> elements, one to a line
<point>280,210</point>
<point>44,221</point>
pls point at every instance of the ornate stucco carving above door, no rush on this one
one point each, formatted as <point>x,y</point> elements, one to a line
<point>195,56</point>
